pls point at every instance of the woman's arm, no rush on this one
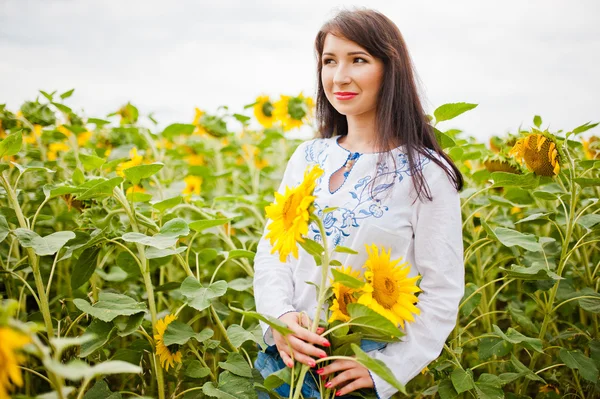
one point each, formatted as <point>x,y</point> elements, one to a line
<point>273,282</point>
<point>438,247</point>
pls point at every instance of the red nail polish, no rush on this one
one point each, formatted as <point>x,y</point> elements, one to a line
<point>322,355</point>
<point>326,344</point>
<point>312,364</point>
<point>328,385</point>
<point>323,377</point>
<point>320,371</point>
<point>338,393</point>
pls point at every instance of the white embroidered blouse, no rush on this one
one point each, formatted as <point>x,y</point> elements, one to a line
<point>427,234</point>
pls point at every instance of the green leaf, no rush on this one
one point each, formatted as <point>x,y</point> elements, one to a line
<point>241,284</point>
<point>32,167</point>
<point>510,238</point>
<point>60,344</point>
<point>272,322</point>
<point>446,390</point>
<point>515,337</point>
<point>313,248</point>
<point>577,360</point>
<point>237,365</point>
<point>537,271</point>
<point>486,391</point>
<point>521,368</point>
<point>169,203</point>
<point>378,367</point>
<point>127,325</point>
<point>346,279</point>
<point>180,333</point>
<point>443,139</point>
<point>155,253</point>
<point>100,390</point>
<point>100,331</point>
<point>198,296</point>
<point>537,121</point>
<point>278,378</point>
<point>48,245</point>
<point>67,94</point>
<point>177,129</point>
<point>589,221</point>
<point>230,386</point>
<point>238,335</point>
<point>165,238</point>
<point>345,250</point>
<point>449,111</point>
<point>466,308</point>
<point>195,369</point>
<point>371,323</point>
<point>587,181</point>
<point>11,145</point>
<point>136,173</point>
<point>110,305</point>
<point>84,267</point>
<point>62,107</point>
<point>462,380</point>
<point>240,253</point>
<point>493,346</point>
<point>586,126</point>
<point>200,225</point>
<point>505,179</point>
<point>4,229</point>
<point>101,187</point>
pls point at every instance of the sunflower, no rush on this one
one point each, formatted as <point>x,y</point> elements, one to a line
<point>290,214</point>
<point>167,354</point>
<point>343,296</point>
<point>500,163</point>
<point>135,160</point>
<point>83,138</point>
<point>192,185</point>
<point>10,342</point>
<point>35,134</point>
<point>291,111</point>
<point>591,148</point>
<point>540,153</point>
<point>263,110</point>
<point>388,291</point>
<point>55,148</point>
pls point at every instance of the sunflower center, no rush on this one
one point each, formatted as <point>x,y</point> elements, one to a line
<point>385,291</point>
<point>267,109</point>
<point>343,302</point>
<point>173,348</point>
<point>297,108</point>
<point>537,160</point>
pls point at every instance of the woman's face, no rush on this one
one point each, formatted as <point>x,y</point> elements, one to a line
<point>350,76</point>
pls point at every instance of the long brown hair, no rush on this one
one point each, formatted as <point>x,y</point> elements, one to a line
<point>400,115</point>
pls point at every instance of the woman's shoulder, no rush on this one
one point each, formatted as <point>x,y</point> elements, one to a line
<point>314,150</point>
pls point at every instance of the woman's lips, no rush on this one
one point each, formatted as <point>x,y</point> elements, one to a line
<point>345,96</point>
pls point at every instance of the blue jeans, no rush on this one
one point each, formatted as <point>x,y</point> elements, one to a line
<point>269,361</point>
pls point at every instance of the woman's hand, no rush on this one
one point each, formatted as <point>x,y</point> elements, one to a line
<point>302,341</point>
<point>351,376</point>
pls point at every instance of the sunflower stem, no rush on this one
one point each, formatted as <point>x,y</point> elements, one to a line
<point>321,301</point>
<point>145,270</point>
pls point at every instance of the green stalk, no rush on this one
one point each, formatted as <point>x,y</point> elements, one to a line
<point>321,301</point>
<point>33,258</point>
<point>145,269</point>
<point>548,310</point>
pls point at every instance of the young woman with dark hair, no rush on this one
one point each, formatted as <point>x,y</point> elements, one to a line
<point>391,184</point>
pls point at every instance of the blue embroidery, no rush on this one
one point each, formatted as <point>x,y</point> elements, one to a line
<point>365,203</point>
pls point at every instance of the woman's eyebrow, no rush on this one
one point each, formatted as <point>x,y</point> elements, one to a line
<point>350,53</point>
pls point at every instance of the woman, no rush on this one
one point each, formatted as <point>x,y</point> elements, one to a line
<point>392,185</point>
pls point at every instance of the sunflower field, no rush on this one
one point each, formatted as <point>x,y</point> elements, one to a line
<point>126,255</point>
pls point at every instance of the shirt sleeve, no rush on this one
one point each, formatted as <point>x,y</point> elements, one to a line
<point>438,257</point>
<point>273,279</point>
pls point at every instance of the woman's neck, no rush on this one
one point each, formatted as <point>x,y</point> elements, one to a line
<point>361,133</point>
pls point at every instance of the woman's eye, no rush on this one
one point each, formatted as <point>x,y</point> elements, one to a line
<point>325,62</point>
<point>359,58</point>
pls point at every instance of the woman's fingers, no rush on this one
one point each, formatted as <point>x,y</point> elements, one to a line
<point>337,365</point>
<point>286,359</point>
<point>359,383</point>
<point>309,336</point>
<point>305,348</point>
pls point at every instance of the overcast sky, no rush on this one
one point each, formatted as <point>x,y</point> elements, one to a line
<point>515,59</point>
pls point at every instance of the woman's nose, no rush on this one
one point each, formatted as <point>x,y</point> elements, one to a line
<point>341,77</point>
